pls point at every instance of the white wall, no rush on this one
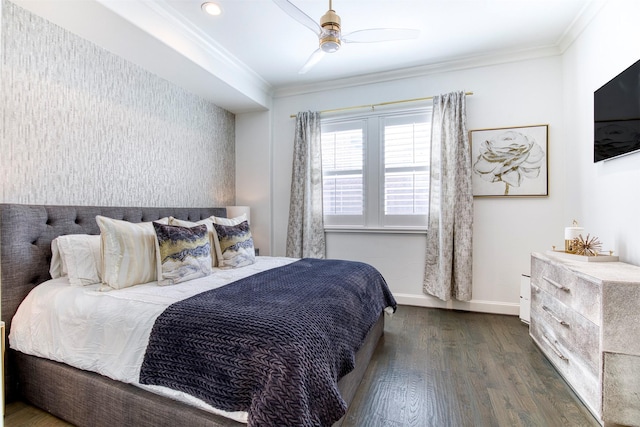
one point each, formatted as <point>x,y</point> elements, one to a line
<point>253,182</point>
<point>505,230</point>
<point>604,196</point>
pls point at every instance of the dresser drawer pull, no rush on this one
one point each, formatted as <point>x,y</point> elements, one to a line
<point>555,316</point>
<point>554,349</point>
<point>556,284</point>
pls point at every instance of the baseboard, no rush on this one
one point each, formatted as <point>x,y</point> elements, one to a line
<point>495,307</point>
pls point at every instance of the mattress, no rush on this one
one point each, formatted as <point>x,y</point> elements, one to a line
<point>108,332</point>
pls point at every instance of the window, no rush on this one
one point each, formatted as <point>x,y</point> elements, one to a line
<point>375,170</point>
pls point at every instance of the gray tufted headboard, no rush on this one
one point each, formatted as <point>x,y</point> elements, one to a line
<point>26,232</point>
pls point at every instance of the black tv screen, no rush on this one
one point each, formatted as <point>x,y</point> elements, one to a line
<point>616,113</point>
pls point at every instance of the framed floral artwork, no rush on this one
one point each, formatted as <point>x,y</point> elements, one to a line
<point>509,162</point>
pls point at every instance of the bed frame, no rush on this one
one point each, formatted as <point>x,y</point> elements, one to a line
<point>80,397</point>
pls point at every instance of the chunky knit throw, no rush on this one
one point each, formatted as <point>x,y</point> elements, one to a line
<point>274,344</point>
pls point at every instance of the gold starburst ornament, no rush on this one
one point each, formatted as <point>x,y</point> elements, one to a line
<point>589,246</point>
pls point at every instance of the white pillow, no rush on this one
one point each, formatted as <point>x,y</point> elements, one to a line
<point>56,268</point>
<point>128,252</point>
<point>229,221</point>
<point>78,257</point>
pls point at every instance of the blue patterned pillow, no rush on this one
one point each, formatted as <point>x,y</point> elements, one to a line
<point>234,246</point>
<point>183,253</point>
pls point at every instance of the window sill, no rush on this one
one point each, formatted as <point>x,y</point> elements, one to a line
<point>374,230</point>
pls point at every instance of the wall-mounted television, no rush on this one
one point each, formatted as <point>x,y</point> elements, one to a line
<point>616,113</point>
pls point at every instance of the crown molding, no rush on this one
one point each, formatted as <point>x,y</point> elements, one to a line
<point>589,11</point>
<point>153,17</point>
<point>443,66</point>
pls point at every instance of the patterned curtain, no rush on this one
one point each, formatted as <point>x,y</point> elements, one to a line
<point>305,233</point>
<point>448,264</point>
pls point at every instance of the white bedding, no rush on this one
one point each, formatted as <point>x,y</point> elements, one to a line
<point>107,332</point>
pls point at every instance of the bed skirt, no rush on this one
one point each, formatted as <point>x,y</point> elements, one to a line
<point>88,399</point>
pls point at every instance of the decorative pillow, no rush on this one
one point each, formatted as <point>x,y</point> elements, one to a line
<point>213,236</point>
<point>225,221</point>
<point>234,245</point>
<point>183,253</point>
<point>78,257</point>
<point>212,233</point>
<point>128,252</point>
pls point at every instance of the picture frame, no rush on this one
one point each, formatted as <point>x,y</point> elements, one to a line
<point>510,161</point>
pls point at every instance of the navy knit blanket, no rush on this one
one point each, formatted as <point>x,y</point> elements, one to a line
<point>273,344</point>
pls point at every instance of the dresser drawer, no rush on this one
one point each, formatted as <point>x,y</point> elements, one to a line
<point>573,290</point>
<point>578,373</point>
<point>578,335</point>
<point>583,381</point>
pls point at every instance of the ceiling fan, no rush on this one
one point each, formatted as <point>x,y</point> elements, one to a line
<point>330,36</point>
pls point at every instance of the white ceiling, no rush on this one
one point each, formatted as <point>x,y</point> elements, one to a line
<point>253,51</point>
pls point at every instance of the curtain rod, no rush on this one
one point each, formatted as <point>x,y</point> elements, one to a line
<point>372,106</point>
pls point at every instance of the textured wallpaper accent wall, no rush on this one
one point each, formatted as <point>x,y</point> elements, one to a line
<point>83,126</point>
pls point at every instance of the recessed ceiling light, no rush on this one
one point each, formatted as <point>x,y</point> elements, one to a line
<point>212,8</point>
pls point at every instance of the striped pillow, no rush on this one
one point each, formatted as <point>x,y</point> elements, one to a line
<point>128,252</point>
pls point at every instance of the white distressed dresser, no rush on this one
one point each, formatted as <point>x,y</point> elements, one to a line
<point>585,317</point>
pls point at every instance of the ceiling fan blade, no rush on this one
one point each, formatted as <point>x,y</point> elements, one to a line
<point>299,15</point>
<point>312,61</point>
<point>380,35</point>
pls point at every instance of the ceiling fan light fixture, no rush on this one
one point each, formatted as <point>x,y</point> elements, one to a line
<point>330,42</point>
<point>211,8</point>
<point>330,37</point>
<point>329,32</point>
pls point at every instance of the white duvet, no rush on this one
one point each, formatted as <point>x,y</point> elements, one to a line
<point>107,332</point>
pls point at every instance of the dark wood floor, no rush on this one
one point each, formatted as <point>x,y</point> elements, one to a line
<point>451,368</point>
<point>443,368</point>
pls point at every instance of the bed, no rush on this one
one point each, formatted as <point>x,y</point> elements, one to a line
<point>82,397</point>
